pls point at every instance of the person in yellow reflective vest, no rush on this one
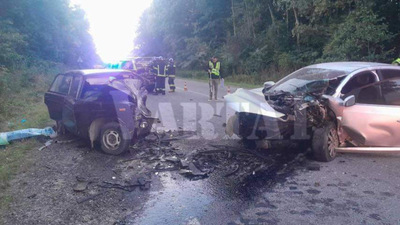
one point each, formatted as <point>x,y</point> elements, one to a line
<point>396,62</point>
<point>159,68</point>
<point>214,73</point>
<point>171,72</point>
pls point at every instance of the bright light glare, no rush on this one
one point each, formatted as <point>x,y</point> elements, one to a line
<point>113,25</point>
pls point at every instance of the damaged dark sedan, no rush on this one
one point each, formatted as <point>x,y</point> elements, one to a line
<point>332,107</point>
<point>105,106</point>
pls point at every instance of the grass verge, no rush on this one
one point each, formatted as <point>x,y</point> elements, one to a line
<point>22,106</point>
<point>11,159</point>
<point>240,80</point>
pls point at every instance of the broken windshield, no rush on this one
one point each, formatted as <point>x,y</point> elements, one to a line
<point>308,80</point>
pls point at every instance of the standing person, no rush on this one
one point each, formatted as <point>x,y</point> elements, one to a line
<point>160,71</point>
<point>171,72</point>
<point>214,67</point>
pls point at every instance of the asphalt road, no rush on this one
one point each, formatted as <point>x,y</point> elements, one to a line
<point>191,110</point>
<point>353,189</point>
<point>267,186</point>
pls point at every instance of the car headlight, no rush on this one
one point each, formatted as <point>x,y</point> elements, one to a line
<point>143,125</point>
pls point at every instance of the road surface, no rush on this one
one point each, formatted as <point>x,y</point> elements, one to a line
<point>291,189</point>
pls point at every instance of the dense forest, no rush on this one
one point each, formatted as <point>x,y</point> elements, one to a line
<point>38,39</point>
<point>32,30</point>
<point>266,36</point>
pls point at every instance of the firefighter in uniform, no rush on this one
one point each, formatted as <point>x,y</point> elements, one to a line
<point>159,68</point>
<point>171,72</point>
<point>214,67</point>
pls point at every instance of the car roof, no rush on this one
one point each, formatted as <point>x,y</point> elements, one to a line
<point>349,66</point>
<point>96,72</point>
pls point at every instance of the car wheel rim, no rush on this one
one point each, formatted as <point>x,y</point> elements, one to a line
<point>111,139</point>
<point>332,142</point>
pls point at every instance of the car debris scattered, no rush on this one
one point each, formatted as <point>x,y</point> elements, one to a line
<point>46,144</point>
<point>226,161</point>
<point>81,186</point>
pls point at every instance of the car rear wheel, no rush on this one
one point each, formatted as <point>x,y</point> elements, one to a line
<point>324,143</point>
<point>112,141</point>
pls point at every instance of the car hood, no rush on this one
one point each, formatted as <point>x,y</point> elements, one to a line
<point>251,101</point>
<point>134,88</point>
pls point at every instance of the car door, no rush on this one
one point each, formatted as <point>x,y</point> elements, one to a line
<point>374,121</point>
<point>54,98</point>
<point>69,110</point>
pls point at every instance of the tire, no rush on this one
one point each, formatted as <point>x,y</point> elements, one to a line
<point>111,139</point>
<point>324,142</point>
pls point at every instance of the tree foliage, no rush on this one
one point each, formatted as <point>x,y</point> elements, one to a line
<point>44,30</point>
<point>259,36</point>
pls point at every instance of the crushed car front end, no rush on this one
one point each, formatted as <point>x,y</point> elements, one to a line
<point>288,110</point>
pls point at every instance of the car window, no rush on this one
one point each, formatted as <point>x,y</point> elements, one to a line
<point>358,81</point>
<point>391,91</point>
<point>75,86</point>
<point>91,91</point>
<point>370,94</point>
<point>61,84</point>
<point>389,74</point>
<point>386,92</point>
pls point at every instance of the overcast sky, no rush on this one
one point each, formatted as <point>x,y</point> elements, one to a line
<point>113,25</point>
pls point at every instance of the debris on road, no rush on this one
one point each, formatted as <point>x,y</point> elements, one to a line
<point>66,141</point>
<point>236,162</point>
<point>91,197</point>
<point>130,186</point>
<point>81,186</point>
<point>47,144</point>
<point>314,167</point>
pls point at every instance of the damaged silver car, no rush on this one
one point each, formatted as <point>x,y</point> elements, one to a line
<point>332,107</point>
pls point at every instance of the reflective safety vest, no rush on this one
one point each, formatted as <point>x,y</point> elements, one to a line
<point>160,71</point>
<point>396,62</point>
<point>215,70</point>
<point>171,70</point>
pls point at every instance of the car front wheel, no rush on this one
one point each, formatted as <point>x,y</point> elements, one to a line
<point>324,143</point>
<point>112,141</point>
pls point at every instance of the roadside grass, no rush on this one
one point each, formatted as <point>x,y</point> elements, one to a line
<point>32,109</point>
<point>22,106</point>
<point>10,162</point>
<point>239,80</point>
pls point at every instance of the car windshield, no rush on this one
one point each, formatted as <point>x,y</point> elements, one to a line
<point>308,80</point>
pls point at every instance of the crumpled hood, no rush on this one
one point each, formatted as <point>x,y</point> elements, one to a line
<point>251,101</point>
<point>133,86</point>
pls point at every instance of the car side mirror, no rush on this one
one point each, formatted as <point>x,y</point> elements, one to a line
<point>349,101</point>
<point>268,84</point>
